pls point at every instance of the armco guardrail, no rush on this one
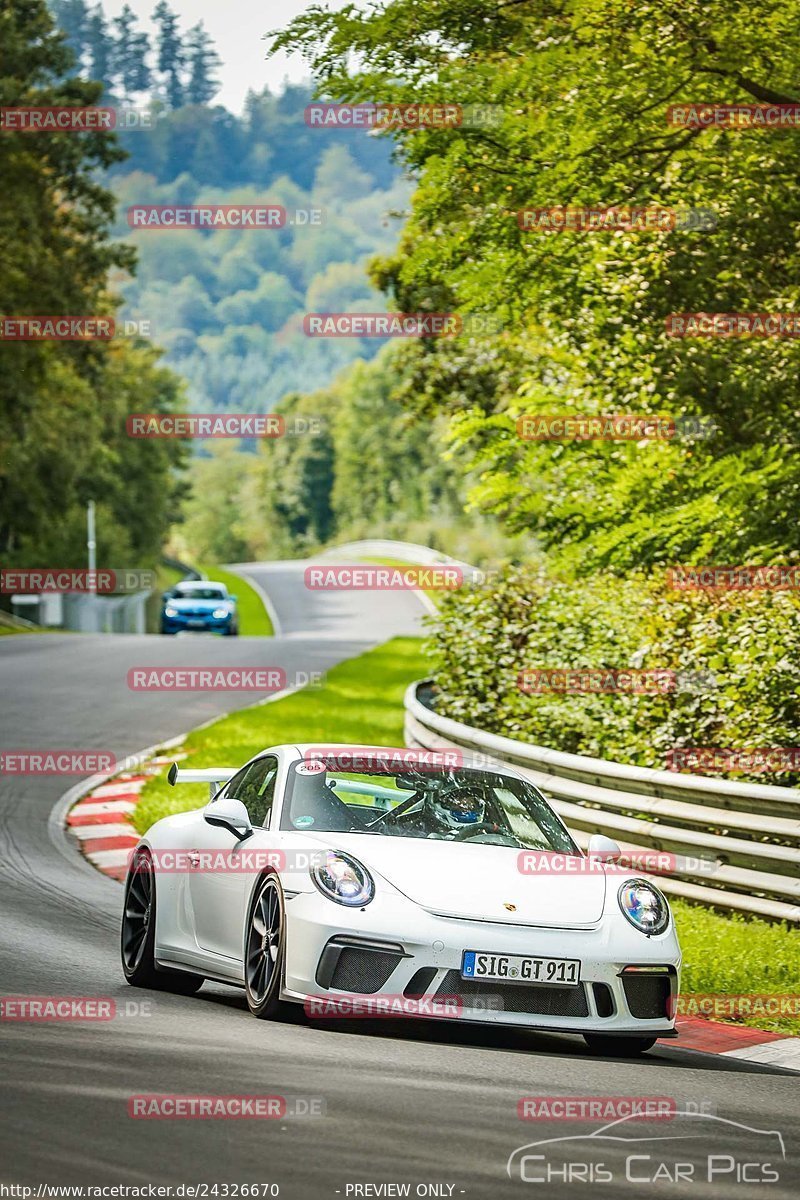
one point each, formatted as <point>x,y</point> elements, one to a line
<point>735,845</point>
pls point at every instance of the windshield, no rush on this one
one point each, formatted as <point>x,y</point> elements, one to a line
<point>214,591</point>
<point>452,805</point>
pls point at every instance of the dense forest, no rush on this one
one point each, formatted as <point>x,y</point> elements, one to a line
<point>584,91</point>
<point>227,307</point>
<point>63,403</point>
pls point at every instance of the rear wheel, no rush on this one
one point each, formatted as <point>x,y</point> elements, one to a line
<point>138,934</point>
<point>618,1047</point>
<point>264,950</point>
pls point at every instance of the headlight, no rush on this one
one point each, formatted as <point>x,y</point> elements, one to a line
<point>644,906</point>
<point>343,879</point>
<point>169,611</point>
<point>219,613</point>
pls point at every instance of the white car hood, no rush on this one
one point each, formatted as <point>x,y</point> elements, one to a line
<point>476,882</point>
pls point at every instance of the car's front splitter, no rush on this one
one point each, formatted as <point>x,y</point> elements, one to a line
<point>393,948</point>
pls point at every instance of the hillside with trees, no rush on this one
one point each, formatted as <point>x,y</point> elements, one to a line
<point>227,307</point>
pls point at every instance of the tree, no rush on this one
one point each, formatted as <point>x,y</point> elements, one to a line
<point>72,17</point>
<point>171,54</point>
<point>63,404</point>
<point>580,94</point>
<point>202,61</point>
<point>131,50</point>
<point>100,48</point>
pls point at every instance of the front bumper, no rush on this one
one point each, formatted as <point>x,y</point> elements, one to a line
<point>335,952</point>
<point>196,624</point>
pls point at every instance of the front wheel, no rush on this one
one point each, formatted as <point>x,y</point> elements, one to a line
<point>138,934</point>
<point>618,1047</point>
<point>265,946</point>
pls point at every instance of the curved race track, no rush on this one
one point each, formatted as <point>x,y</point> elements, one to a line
<point>405,1103</point>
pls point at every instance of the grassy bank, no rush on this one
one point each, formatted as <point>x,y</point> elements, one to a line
<point>736,955</point>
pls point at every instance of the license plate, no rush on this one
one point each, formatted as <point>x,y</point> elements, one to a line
<point>196,624</point>
<point>520,968</point>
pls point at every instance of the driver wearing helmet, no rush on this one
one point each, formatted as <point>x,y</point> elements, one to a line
<point>454,809</point>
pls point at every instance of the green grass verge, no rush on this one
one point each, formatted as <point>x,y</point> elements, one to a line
<point>361,701</point>
<point>4,629</point>
<point>733,954</point>
<point>167,577</point>
<point>253,617</point>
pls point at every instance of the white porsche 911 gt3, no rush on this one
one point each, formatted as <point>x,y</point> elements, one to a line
<point>355,874</point>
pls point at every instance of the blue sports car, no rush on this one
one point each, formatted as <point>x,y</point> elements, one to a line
<point>200,605</point>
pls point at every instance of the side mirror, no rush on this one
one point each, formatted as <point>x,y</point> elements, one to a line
<point>603,848</point>
<point>231,597</point>
<point>231,815</point>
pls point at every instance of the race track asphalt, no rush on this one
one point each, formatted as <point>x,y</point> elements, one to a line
<point>426,1104</point>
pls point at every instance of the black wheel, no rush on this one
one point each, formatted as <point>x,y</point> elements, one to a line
<point>138,934</point>
<point>618,1047</point>
<point>264,950</point>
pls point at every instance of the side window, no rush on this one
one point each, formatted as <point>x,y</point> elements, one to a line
<point>255,787</point>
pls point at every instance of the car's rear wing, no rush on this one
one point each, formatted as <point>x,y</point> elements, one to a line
<point>215,777</point>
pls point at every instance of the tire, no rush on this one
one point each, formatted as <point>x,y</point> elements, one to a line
<point>138,934</point>
<point>265,950</point>
<point>618,1047</point>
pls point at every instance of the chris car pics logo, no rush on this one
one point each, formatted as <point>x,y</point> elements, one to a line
<point>697,1148</point>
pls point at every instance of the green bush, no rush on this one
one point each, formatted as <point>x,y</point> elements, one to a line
<point>748,643</point>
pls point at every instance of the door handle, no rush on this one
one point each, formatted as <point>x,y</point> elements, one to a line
<point>194,858</point>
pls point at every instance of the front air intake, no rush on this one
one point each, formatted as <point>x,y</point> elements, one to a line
<point>647,996</point>
<point>514,997</point>
<point>353,965</point>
